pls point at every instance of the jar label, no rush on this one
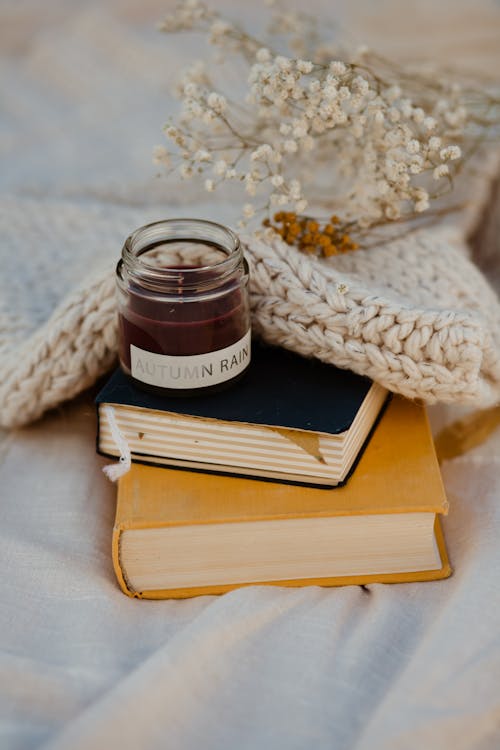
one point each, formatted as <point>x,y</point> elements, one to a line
<point>191,371</point>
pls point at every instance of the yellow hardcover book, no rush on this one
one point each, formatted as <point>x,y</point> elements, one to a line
<point>180,534</point>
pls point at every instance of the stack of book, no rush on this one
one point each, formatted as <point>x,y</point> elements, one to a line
<point>299,474</point>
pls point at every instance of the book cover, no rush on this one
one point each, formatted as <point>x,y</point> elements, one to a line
<point>259,427</point>
<point>398,476</point>
<point>281,389</point>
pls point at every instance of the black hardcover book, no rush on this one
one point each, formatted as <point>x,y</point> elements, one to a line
<point>289,419</point>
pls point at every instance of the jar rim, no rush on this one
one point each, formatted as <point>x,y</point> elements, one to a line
<point>198,279</point>
<point>201,278</point>
<point>182,229</point>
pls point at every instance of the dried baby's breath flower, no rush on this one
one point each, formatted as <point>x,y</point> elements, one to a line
<point>450,153</point>
<point>313,114</point>
<point>161,156</point>
<point>442,170</point>
<point>202,155</point>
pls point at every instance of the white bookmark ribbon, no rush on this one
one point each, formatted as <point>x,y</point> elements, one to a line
<point>117,470</point>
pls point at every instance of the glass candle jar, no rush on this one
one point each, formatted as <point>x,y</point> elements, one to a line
<point>184,319</point>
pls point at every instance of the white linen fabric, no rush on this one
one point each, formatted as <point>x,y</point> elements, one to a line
<point>398,667</point>
<point>82,666</point>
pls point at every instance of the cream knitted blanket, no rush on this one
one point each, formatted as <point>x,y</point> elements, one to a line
<point>416,315</point>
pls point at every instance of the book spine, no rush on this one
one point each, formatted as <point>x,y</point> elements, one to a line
<point>120,572</point>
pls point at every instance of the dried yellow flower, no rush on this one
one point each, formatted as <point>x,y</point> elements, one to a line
<point>309,236</point>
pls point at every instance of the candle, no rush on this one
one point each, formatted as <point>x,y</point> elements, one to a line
<point>184,318</point>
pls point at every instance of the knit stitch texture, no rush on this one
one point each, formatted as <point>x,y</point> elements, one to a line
<point>416,315</point>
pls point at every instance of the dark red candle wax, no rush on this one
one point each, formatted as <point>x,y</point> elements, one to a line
<point>195,314</point>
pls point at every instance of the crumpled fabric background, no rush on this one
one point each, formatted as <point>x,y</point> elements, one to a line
<point>82,666</point>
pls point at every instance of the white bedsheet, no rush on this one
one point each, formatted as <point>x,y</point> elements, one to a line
<point>81,665</point>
